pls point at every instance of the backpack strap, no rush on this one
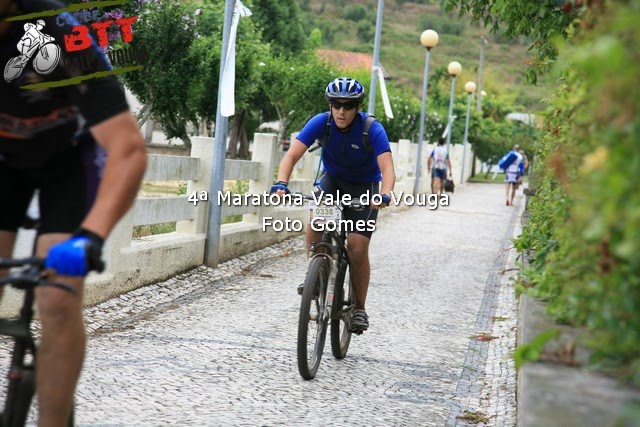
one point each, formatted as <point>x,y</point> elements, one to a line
<point>368,122</point>
<point>325,138</point>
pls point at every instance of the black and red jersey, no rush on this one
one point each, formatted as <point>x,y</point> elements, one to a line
<point>36,124</point>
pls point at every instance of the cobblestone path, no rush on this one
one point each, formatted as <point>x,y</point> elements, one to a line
<point>217,347</point>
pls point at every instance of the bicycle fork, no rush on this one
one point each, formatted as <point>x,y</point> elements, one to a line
<point>327,307</point>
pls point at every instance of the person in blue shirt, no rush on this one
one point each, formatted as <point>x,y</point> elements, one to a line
<point>513,176</point>
<point>350,167</point>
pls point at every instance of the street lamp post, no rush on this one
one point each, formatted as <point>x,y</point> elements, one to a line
<point>428,39</point>
<point>470,88</point>
<point>454,68</point>
<point>212,243</point>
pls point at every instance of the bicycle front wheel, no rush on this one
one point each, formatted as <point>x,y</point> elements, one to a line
<point>312,327</point>
<point>25,390</point>
<point>343,304</point>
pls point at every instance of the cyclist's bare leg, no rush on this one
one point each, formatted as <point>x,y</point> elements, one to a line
<point>62,342</point>
<point>359,267</point>
<point>7,240</point>
<point>437,185</point>
<point>508,187</point>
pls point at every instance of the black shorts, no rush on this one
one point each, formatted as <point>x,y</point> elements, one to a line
<point>67,183</point>
<point>331,185</point>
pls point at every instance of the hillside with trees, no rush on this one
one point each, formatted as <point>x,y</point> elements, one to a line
<point>280,77</point>
<point>349,25</point>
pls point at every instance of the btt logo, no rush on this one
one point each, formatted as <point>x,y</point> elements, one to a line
<point>33,42</point>
<point>80,39</point>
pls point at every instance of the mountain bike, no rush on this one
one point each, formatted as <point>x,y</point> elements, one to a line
<point>26,275</point>
<point>327,292</point>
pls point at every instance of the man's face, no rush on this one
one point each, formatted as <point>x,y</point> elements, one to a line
<point>344,111</point>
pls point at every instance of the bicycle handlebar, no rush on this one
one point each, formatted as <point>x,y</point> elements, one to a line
<point>353,204</point>
<point>29,279</point>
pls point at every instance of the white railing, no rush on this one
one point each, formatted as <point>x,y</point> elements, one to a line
<point>132,263</point>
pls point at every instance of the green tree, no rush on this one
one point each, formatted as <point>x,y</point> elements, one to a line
<point>280,24</point>
<point>543,21</point>
<point>167,30</point>
<point>179,82</point>
<point>296,88</point>
<point>250,53</point>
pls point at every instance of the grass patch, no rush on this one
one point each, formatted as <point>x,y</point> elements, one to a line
<point>481,177</point>
<point>473,417</point>
<point>150,189</point>
<point>153,229</point>
<point>231,219</point>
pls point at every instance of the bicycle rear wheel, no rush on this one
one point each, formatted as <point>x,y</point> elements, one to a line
<point>312,329</point>
<point>343,304</point>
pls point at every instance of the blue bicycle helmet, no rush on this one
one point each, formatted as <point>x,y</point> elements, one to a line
<point>344,88</point>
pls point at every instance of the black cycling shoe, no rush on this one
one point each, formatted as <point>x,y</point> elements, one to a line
<point>359,321</point>
<point>300,288</point>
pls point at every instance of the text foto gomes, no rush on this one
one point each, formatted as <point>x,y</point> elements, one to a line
<point>318,224</point>
<point>366,199</point>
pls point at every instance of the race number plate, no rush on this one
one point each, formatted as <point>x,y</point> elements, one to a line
<point>324,213</point>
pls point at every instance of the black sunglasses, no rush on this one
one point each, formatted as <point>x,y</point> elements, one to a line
<point>346,105</point>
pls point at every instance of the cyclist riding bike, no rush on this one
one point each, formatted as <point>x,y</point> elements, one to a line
<point>80,147</point>
<point>350,167</point>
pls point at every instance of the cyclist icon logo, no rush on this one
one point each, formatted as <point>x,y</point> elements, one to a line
<point>47,53</point>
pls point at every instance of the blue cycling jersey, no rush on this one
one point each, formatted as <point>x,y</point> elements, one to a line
<point>344,156</point>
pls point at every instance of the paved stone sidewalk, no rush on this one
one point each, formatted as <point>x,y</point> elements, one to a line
<point>217,347</point>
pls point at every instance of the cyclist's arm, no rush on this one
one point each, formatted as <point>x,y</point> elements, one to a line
<point>385,162</point>
<point>123,172</point>
<point>295,152</point>
<point>449,166</point>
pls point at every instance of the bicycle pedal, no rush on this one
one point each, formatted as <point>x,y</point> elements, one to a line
<point>356,330</point>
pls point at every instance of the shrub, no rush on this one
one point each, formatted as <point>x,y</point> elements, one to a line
<point>443,24</point>
<point>355,13</point>
<point>585,223</point>
<point>365,31</point>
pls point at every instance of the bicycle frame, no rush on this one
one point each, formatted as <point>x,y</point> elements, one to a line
<point>333,252</point>
<point>325,278</point>
<point>21,376</point>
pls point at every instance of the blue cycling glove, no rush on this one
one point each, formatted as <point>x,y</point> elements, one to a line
<point>386,199</point>
<point>77,256</point>
<point>280,185</point>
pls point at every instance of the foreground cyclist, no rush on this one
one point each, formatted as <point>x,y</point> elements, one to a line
<point>350,168</point>
<point>48,143</point>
